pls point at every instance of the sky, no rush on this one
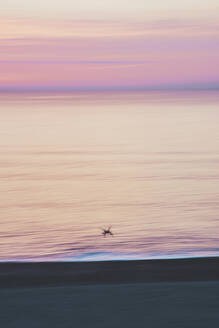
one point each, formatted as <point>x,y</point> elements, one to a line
<point>95,45</point>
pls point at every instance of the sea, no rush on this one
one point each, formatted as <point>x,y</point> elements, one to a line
<point>145,164</point>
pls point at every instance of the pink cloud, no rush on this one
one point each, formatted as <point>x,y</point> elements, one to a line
<point>159,53</point>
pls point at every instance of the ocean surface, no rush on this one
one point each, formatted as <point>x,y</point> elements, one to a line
<point>146,164</point>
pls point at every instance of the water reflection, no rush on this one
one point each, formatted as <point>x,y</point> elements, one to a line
<point>147,165</point>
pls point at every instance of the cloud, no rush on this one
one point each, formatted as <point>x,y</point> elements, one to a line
<point>99,28</point>
<point>108,54</point>
<point>77,62</point>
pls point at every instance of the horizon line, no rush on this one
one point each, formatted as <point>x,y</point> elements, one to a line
<point>53,89</point>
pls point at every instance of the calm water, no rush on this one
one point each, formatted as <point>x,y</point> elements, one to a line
<point>146,164</point>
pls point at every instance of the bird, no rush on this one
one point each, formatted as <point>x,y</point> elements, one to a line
<point>107,231</point>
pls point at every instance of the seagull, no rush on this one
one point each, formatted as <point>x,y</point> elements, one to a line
<point>107,231</point>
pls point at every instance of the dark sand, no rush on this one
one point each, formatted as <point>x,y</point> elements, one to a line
<point>159,293</point>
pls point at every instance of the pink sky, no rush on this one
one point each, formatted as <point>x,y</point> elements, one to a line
<point>41,53</point>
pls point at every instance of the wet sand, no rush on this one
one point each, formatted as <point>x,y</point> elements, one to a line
<point>157,293</point>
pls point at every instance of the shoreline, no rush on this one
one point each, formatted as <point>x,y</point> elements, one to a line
<point>45,274</point>
<point>146,293</point>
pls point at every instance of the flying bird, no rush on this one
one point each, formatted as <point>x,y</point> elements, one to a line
<point>107,231</point>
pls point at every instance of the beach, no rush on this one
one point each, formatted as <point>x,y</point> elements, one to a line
<point>109,156</point>
<point>149,293</point>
